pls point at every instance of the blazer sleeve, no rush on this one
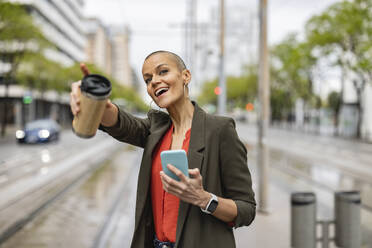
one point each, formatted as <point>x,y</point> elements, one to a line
<point>129,128</point>
<point>236,178</point>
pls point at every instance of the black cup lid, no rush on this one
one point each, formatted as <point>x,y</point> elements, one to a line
<point>96,85</point>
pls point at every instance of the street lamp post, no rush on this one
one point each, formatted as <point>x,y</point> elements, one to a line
<point>264,109</point>
<point>222,81</point>
<point>191,31</point>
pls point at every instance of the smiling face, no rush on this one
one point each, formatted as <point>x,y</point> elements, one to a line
<point>164,79</point>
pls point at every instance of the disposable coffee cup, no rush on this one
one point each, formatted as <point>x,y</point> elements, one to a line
<point>94,92</point>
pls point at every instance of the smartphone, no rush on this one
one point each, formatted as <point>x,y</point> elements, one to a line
<point>178,159</point>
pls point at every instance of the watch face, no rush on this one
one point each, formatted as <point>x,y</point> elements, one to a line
<point>212,207</point>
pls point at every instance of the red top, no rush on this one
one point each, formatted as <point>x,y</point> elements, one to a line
<point>164,205</point>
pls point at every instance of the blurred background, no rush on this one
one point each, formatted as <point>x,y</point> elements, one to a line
<point>63,191</point>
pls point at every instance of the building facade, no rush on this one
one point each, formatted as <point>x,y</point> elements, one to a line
<point>62,23</point>
<point>108,48</point>
<point>98,48</point>
<point>367,120</point>
<point>240,45</point>
<point>349,113</point>
<point>121,69</point>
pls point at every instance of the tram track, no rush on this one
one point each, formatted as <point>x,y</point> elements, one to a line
<point>295,173</point>
<point>105,236</point>
<point>285,164</point>
<point>45,202</point>
<point>73,218</point>
<point>22,209</point>
<point>18,167</point>
<point>288,163</point>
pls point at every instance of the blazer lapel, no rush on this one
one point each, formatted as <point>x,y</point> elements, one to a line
<point>144,177</point>
<point>195,159</point>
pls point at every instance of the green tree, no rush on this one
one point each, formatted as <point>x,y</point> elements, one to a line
<point>18,37</point>
<point>281,104</point>
<point>292,75</point>
<point>344,31</point>
<point>243,89</point>
<point>207,95</point>
<point>38,72</point>
<point>22,47</point>
<point>334,104</point>
<point>240,90</point>
<point>292,67</point>
<point>120,93</point>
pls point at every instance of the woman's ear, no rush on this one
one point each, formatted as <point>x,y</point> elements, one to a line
<point>186,75</point>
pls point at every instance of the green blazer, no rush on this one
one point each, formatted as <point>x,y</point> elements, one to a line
<point>215,149</point>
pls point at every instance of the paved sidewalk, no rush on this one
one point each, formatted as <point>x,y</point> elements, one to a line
<point>9,136</point>
<point>272,230</point>
<point>351,156</point>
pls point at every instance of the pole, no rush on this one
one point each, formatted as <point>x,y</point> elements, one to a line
<point>187,32</point>
<point>348,219</point>
<point>264,110</point>
<point>222,81</point>
<point>303,220</point>
<point>325,239</point>
<point>193,44</point>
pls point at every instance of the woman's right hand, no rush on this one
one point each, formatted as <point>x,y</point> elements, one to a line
<point>75,92</point>
<point>109,117</point>
<point>75,97</point>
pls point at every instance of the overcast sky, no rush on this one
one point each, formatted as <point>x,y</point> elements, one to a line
<point>154,23</point>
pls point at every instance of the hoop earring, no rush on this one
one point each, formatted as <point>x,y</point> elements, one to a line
<point>184,91</point>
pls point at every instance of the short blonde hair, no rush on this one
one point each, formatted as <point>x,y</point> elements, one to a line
<point>179,62</point>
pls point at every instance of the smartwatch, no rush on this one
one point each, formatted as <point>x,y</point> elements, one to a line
<point>212,205</point>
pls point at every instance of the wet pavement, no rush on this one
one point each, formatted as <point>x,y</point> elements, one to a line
<point>300,163</point>
<point>33,189</point>
<point>80,217</point>
<point>93,215</point>
<point>273,230</point>
<point>350,156</point>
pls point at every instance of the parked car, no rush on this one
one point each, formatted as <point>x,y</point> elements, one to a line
<point>39,131</point>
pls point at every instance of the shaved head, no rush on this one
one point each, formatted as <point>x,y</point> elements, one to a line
<point>177,59</point>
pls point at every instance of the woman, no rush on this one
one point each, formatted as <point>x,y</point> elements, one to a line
<point>200,210</point>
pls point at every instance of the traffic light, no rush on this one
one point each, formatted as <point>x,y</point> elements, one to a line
<point>249,107</point>
<point>217,90</point>
<point>27,99</point>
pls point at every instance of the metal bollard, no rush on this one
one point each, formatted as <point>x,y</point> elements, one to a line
<point>303,220</point>
<point>347,219</point>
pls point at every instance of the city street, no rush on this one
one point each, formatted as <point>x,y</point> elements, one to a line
<point>98,210</point>
<point>35,176</point>
<point>332,163</point>
<point>301,69</point>
<point>304,162</point>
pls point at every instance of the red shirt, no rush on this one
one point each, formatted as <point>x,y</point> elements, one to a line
<point>164,205</point>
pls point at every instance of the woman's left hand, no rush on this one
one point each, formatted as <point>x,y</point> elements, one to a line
<point>189,189</point>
